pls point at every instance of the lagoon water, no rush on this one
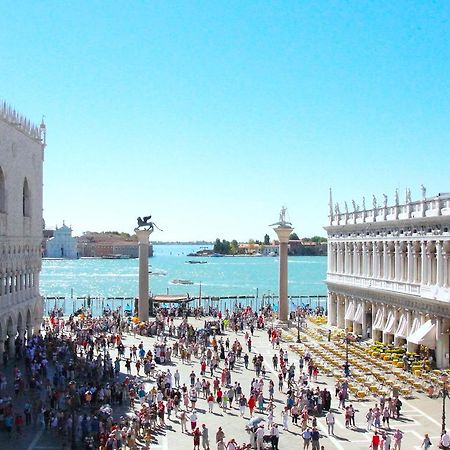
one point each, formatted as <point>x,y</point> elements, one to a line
<point>223,276</point>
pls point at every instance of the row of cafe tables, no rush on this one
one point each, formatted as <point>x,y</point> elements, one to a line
<point>370,375</point>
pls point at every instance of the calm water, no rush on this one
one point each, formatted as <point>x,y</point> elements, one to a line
<point>219,277</point>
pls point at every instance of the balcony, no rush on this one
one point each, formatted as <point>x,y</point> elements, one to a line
<point>425,291</point>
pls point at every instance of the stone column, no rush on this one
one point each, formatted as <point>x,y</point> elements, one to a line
<point>331,310</point>
<point>340,312</point>
<point>442,343</point>
<point>410,256</point>
<point>439,264</point>
<point>445,280</point>
<point>329,257</point>
<point>364,320</point>
<point>386,268</point>
<point>397,261</point>
<point>143,302</point>
<point>375,260</point>
<point>424,272</point>
<point>283,233</point>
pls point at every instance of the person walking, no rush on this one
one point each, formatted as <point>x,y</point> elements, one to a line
<point>205,437</point>
<point>330,420</point>
<point>274,436</point>
<point>445,441</point>
<point>306,435</point>
<point>196,436</point>
<point>375,443</point>
<point>398,436</point>
<point>426,443</point>
<point>315,436</point>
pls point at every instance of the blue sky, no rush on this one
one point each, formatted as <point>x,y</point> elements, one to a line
<point>212,115</point>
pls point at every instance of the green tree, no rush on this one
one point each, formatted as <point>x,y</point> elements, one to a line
<point>294,237</point>
<point>319,239</point>
<point>234,247</point>
<point>266,239</point>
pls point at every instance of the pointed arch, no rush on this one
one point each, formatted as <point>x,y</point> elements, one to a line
<point>2,192</point>
<point>26,199</point>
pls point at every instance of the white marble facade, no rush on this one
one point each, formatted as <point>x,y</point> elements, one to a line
<point>22,147</point>
<point>388,272</point>
<point>62,244</point>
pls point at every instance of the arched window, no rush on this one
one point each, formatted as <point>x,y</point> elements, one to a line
<point>2,192</point>
<point>26,199</point>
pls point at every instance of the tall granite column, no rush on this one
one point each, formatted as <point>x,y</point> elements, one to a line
<point>283,233</point>
<point>143,300</point>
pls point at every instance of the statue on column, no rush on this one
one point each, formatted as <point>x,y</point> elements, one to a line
<point>145,224</point>
<point>282,219</point>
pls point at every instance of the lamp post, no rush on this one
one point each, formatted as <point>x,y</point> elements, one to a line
<point>298,328</point>
<point>346,367</point>
<point>445,394</point>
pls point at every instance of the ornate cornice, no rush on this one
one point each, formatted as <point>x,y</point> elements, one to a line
<point>396,299</point>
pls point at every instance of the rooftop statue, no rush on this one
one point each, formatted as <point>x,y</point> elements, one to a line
<point>355,208</point>
<point>408,195</point>
<point>396,197</point>
<point>374,202</point>
<point>424,191</point>
<point>346,207</point>
<point>336,209</point>
<point>385,200</point>
<point>364,204</point>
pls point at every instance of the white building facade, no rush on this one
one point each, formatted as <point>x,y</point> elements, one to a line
<point>388,274</point>
<point>62,244</point>
<point>21,162</point>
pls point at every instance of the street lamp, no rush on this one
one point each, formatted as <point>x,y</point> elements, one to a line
<point>445,394</point>
<point>298,328</point>
<point>346,366</point>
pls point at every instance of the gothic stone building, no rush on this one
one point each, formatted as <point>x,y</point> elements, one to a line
<point>388,272</point>
<point>21,160</point>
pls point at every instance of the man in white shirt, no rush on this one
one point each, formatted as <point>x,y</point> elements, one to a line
<point>260,437</point>
<point>445,440</point>
<point>330,419</point>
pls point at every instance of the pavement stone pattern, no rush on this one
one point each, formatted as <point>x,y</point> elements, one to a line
<point>420,415</point>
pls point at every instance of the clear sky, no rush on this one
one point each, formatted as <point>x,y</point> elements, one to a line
<point>212,115</point>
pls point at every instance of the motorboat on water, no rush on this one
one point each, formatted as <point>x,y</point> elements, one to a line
<point>191,261</point>
<point>176,281</point>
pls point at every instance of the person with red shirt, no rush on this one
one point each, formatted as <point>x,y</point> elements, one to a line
<point>251,404</point>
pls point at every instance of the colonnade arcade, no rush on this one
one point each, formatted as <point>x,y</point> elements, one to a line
<point>388,323</point>
<point>410,261</point>
<point>18,324</point>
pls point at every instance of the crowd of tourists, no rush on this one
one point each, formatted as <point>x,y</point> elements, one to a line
<point>109,407</point>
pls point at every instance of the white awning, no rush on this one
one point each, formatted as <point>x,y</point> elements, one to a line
<point>350,313</point>
<point>415,326</point>
<point>424,335</point>
<point>358,314</point>
<point>401,329</point>
<point>390,323</point>
<point>379,319</point>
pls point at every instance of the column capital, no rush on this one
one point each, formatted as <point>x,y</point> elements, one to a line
<point>283,233</point>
